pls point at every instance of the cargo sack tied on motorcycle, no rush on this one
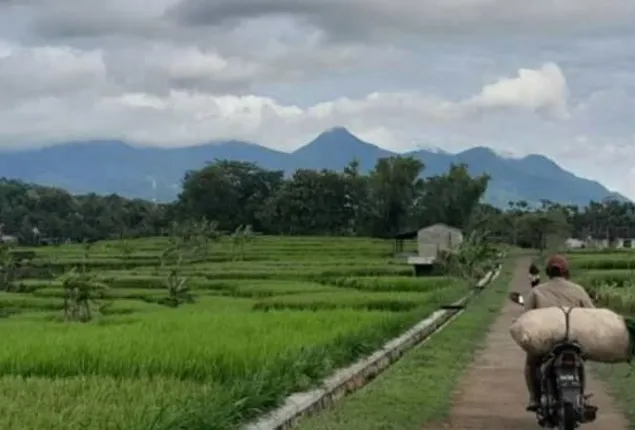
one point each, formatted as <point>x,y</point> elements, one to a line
<point>603,335</point>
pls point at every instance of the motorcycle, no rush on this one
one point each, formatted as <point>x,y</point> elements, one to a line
<point>563,402</point>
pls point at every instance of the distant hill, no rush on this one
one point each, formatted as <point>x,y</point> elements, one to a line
<point>106,167</point>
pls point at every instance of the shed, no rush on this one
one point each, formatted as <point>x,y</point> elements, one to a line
<point>573,243</point>
<point>400,238</point>
<point>437,237</point>
<point>431,240</point>
<point>7,238</point>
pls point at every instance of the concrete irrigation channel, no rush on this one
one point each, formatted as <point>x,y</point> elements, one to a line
<point>354,377</point>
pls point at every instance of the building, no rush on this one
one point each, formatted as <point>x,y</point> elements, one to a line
<point>624,243</point>
<point>399,243</point>
<point>431,241</point>
<point>573,243</point>
<point>7,238</point>
<point>615,243</point>
<point>438,237</point>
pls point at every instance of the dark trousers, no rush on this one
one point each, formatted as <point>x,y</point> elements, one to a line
<point>533,376</point>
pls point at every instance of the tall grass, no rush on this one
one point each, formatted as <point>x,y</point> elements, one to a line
<point>182,344</point>
<point>286,316</point>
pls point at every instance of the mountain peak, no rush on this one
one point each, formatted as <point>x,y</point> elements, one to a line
<point>335,148</point>
<point>337,136</point>
<point>111,166</point>
<point>479,150</point>
<point>339,130</point>
<point>335,139</point>
<point>537,158</point>
<point>478,155</point>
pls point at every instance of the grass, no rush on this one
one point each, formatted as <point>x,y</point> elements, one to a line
<point>176,344</point>
<point>603,261</point>
<point>93,402</point>
<point>391,283</point>
<point>620,378</point>
<point>418,388</point>
<point>397,301</point>
<point>610,277</point>
<point>595,278</point>
<point>272,321</point>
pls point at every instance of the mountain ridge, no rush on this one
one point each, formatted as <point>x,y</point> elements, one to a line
<point>113,166</point>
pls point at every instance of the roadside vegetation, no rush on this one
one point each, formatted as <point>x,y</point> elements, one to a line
<point>206,312</point>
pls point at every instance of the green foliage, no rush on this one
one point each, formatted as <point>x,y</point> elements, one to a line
<point>8,267</point>
<point>81,290</point>
<point>126,247</point>
<point>190,241</point>
<point>390,198</point>
<point>178,290</point>
<point>278,320</point>
<point>57,216</point>
<point>474,257</point>
<point>392,283</point>
<point>242,236</point>
<point>452,198</point>
<point>393,197</point>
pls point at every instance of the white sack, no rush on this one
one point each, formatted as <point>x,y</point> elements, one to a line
<point>600,332</point>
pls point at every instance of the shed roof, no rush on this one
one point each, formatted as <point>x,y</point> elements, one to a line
<point>439,226</point>
<point>406,235</point>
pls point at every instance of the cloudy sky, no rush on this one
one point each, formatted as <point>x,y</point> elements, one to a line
<point>555,77</point>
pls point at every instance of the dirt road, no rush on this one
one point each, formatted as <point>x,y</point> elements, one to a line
<point>492,395</point>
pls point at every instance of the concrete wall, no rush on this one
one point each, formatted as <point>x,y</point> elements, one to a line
<point>437,237</point>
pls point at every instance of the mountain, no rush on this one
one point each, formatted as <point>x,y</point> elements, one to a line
<point>334,149</point>
<point>107,166</point>
<point>531,178</point>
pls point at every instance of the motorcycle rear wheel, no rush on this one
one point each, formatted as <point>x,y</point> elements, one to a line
<point>567,417</point>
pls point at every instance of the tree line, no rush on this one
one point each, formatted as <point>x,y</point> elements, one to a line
<point>391,198</point>
<point>383,202</point>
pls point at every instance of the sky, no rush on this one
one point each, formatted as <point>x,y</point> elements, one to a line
<point>554,77</point>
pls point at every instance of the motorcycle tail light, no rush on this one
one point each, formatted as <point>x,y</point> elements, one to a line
<point>568,360</point>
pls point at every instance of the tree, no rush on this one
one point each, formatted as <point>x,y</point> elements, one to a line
<point>229,192</point>
<point>310,202</point>
<point>546,228</point>
<point>451,198</point>
<point>178,290</point>
<point>189,241</point>
<point>225,195</point>
<point>50,215</point>
<point>357,204</point>
<point>395,186</point>
<point>81,290</point>
<point>472,259</point>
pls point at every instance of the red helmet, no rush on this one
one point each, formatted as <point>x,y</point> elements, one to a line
<point>558,262</point>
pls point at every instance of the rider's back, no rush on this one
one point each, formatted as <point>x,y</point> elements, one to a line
<point>558,292</point>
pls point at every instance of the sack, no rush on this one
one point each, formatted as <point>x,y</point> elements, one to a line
<point>601,333</point>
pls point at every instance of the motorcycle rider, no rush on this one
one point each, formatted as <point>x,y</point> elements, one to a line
<point>534,274</point>
<point>558,290</point>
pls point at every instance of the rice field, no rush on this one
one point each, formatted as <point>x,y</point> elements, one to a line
<point>608,276</point>
<point>610,279</point>
<point>270,320</point>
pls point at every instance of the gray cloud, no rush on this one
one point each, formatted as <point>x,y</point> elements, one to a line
<point>359,18</point>
<point>401,74</point>
<point>91,18</point>
<point>48,72</point>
